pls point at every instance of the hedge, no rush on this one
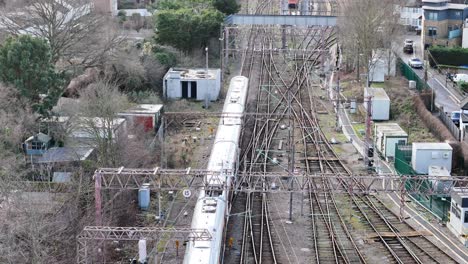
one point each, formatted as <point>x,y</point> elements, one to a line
<point>455,56</point>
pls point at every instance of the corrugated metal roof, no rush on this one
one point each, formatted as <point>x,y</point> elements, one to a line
<point>65,154</point>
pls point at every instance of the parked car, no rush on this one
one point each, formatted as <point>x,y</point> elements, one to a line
<point>415,63</point>
<point>408,46</point>
<point>455,116</point>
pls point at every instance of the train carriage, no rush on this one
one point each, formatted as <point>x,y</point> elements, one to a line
<point>212,204</point>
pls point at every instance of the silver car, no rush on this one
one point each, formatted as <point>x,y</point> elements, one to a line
<point>415,63</point>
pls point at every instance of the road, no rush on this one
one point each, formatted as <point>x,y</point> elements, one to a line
<point>444,96</point>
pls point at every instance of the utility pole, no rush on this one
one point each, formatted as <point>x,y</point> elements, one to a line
<point>357,68</point>
<point>368,130</point>
<point>337,126</point>
<point>206,55</point>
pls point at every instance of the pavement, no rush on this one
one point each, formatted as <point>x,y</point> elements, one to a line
<point>446,95</point>
<point>441,235</point>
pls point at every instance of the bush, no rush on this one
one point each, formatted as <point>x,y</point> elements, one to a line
<point>463,86</point>
<point>455,56</point>
<point>166,58</point>
<point>433,123</point>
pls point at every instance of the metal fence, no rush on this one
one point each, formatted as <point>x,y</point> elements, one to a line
<point>403,159</point>
<point>408,72</point>
<point>437,205</point>
<point>447,120</point>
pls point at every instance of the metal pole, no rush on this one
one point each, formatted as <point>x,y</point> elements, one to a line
<point>368,130</point>
<point>98,199</point>
<point>358,57</point>
<point>337,128</point>
<point>291,148</point>
<point>221,50</point>
<point>226,48</point>
<point>206,55</point>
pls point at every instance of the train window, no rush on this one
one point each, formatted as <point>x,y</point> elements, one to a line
<point>214,193</point>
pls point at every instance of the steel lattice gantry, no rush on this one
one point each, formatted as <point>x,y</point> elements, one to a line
<point>286,20</point>
<point>177,179</point>
<point>109,233</point>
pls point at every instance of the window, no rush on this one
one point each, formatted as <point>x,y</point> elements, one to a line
<point>432,16</point>
<point>466,217</point>
<point>415,22</point>
<point>415,10</point>
<point>36,145</point>
<point>432,31</point>
<point>456,211</point>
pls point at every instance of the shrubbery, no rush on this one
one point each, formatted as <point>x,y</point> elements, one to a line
<point>455,56</point>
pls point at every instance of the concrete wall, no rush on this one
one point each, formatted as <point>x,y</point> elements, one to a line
<point>465,38</point>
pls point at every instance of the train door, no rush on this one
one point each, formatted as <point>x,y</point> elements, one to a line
<point>193,90</point>
<point>184,89</point>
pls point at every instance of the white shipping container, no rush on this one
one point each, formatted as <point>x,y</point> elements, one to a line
<point>380,103</point>
<point>386,136</point>
<point>425,155</point>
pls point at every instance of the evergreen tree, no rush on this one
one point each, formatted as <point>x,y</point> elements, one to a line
<point>26,63</point>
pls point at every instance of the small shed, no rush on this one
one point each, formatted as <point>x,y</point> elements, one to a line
<point>198,84</point>
<point>380,103</point>
<point>425,155</point>
<point>57,164</point>
<point>458,223</point>
<point>85,130</point>
<point>386,136</point>
<point>37,144</point>
<point>377,70</point>
<point>146,115</point>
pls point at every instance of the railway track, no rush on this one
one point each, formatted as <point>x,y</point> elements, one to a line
<point>263,240</point>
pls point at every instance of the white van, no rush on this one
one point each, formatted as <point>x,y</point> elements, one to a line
<point>460,77</point>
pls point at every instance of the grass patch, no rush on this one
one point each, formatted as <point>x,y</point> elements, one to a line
<point>360,128</point>
<point>378,85</point>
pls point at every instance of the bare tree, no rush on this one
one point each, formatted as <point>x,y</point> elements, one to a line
<point>98,108</point>
<point>366,26</point>
<point>77,35</point>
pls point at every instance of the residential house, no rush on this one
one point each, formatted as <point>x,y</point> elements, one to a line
<point>443,22</point>
<point>411,14</point>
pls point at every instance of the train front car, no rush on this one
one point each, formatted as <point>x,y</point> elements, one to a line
<point>293,4</point>
<point>212,204</point>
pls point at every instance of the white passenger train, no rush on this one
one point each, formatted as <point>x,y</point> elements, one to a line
<point>212,203</point>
